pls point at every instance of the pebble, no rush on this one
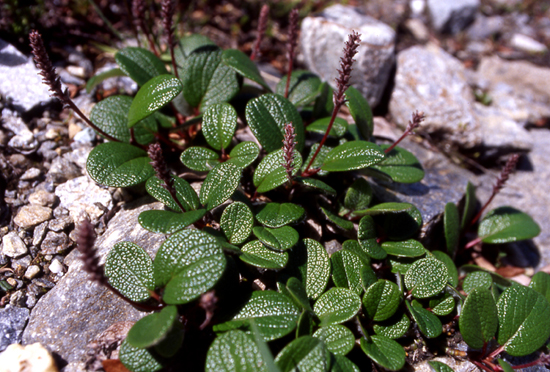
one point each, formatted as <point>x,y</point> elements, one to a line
<point>30,174</point>
<point>418,29</point>
<point>63,170</point>
<point>77,71</point>
<point>74,129</point>
<point>43,198</point>
<point>39,232</point>
<point>87,135</point>
<point>56,267</point>
<point>80,196</point>
<point>19,297</point>
<point>22,263</point>
<point>12,323</point>
<point>35,357</point>
<point>12,282</point>
<point>32,215</point>
<point>32,271</point>
<point>17,160</point>
<point>452,16</point>
<point>60,224</point>
<point>13,246</point>
<point>55,243</point>
<point>527,44</point>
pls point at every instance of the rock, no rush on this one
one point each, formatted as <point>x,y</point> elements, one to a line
<point>106,345</point>
<point>13,246</point>
<point>527,44</point>
<point>80,196</point>
<point>87,135</point>
<point>322,39</point>
<point>56,267</point>
<point>43,198</point>
<point>12,323</point>
<point>32,271</point>
<point>117,83</point>
<point>332,247</point>
<point>23,141</point>
<point>75,306</point>
<point>500,131</point>
<point>79,155</point>
<point>39,232</point>
<point>32,215</point>
<point>485,27</point>
<point>30,358</point>
<point>455,364</point>
<point>46,150</point>
<point>418,29</point>
<point>30,174</point>
<point>452,16</point>
<point>17,74</point>
<point>20,264</point>
<point>517,88</point>
<point>430,80</point>
<point>54,243</point>
<point>62,169</point>
<point>60,224</point>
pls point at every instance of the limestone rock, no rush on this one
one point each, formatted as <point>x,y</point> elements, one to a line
<point>452,16</point>
<point>32,215</point>
<point>55,243</point>
<point>322,39</point>
<point>30,358</point>
<point>69,316</point>
<point>13,246</point>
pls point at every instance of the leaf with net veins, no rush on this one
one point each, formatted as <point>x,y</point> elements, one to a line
<point>257,254</point>
<point>168,222</point>
<point>507,224</point>
<point>218,125</point>
<point>427,322</point>
<point>400,165</point>
<point>478,320</point>
<point>338,338</point>
<point>305,354</point>
<point>352,155</point>
<point>279,214</point>
<point>140,64</point>
<point>153,328</point>
<point>236,222</point>
<point>184,192</point>
<point>242,64</point>
<point>234,351</point>
<point>280,239</point>
<point>384,352</point>
<point>382,299</point>
<point>303,88</point>
<point>201,159</point>
<point>139,360</point>
<point>426,277</point>
<point>219,185</point>
<point>360,111</point>
<point>337,305</point>
<point>244,154</point>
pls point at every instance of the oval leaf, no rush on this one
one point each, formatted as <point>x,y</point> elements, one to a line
<point>200,159</point>
<point>401,165</point>
<point>277,215</point>
<point>478,320</point>
<point>470,203</point>
<point>339,127</point>
<point>303,87</point>
<point>153,328</point>
<point>407,248</point>
<point>338,338</point>
<point>139,360</point>
<point>313,266</point>
<point>346,270</point>
<point>541,283</point>
<point>139,64</point>
<point>305,354</point>
<point>451,267</point>
<point>385,352</point>
<point>367,239</point>
<point>218,125</point>
<point>394,327</point>
<point>359,195</point>
<point>234,351</point>
<point>257,254</point>
<point>451,226</point>
<point>382,299</point>
<point>439,366</point>
<point>477,279</point>
<point>279,239</point>
<point>361,112</point>
<point>236,222</point>
<point>427,322</point>
<point>507,224</point>
<point>184,192</point>
<point>219,185</point>
<point>270,173</point>
<point>352,155</point>
<point>337,305</point>
<point>426,277</point>
<point>167,222</point>
<point>244,154</point>
<point>240,62</point>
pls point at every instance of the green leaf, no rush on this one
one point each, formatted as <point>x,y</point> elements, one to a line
<point>478,320</point>
<point>305,354</point>
<point>426,277</point>
<point>401,165</point>
<point>139,360</point>
<point>367,238</point>
<point>153,328</point>
<point>352,155</point>
<point>541,283</point>
<point>303,87</point>
<point>339,127</point>
<point>305,324</point>
<point>218,125</point>
<point>477,279</point>
<point>382,299</point>
<point>167,222</point>
<point>439,366</point>
<point>319,159</point>
<point>394,327</point>
<point>353,246</point>
<point>507,224</point>
<point>427,322</point>
<point>97,79</point>
<point>297,291</point>
<point>359,195</point>
<point>361,112</point>
<point>346,270</point>
<point>338,338</point>
<point>451,226</point>
<point>111,116</point>
<point>442,306</point>
<point>234,351</point>
<point>171,344</point>
<point>244,154</point>
<point>280,239</point>
<point>201,159</point>
<point>384,352</point>
<point>240,62</point>
<point>406,248</point>
<point>220,184</point>
<point>498,279</point>
<point>337,220</point>
<point>451,268</point>
<point>267,115</point>
<point>337,305</point>
<point>277,215</point>
<point>257,254</point>
<point>270,173</point>
<point>187,45</point>
<point>152,96</point>
<point>505,366</point>
<point>206,79</point>
<point>130,270</point>
<point>401,264</point>
<point>139,64</point>
<point>188,263</point>
<point>342,364</point>
<point>236,222</point>
<point>524,320</point>
<point>402,225</point>
<point>312,266</point>
<point>470,202</point>
<point>324,103</point>
<point>386,208</point>
<point>184,192</point>
<point>118,164</point>
<point>273,313</point>
<point>313,183</point>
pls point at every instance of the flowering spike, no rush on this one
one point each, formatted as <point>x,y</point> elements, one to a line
<point>291,46</point>
<point>262,26</point>
<point>159,165</point>
<point>417,118</point>
<point>85,244</point>
<point>167,12</point>
<point>289,144</point>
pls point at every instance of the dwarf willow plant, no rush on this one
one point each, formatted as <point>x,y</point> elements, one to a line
<point>253,279</point>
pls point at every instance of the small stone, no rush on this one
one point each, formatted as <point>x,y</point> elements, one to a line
<point>32,271</point>
<point>32,215</point>
<point>18,298</point>
<point>33,357</point>
<point>63,170</point>
<point>30,174</point>
<point>73,130</point>
<point>13,246</point>
<point>12,323</point>
<point>17,160</point>
<point>56,267</point>
<point>39,232</point>
<point>80,196</point>
<point>21,264</point>
<point>51,134</point>
<point>87,135</point>
<point>418,29</point>
<point>77,71</point>
<point>60,224</point>
<point>12,282</point>
<point>332,247</point>
<point>527,44</point>
<point>42,197</point>
<point>54,243</point>
<point>452,16</point>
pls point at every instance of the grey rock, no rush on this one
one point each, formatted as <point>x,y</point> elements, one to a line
<point>12,323</point>
<point>452,16</point>
<point>430,80</point>
<point>19,79</point>
<point>500,131</point>
<point>69,316</point>
<point>32,215</point>
<point>333,246</point>
<point>27,358</point>
<point>62,169</point>
<point>418,29</point>
<point>76,57</point>
<point>87,135</point>
<point>455,364</point>
<point>80,195</point>
<point>46,150</point>
<point>485,27</point>
<point>32,271</point>
<point>42,197</point>
<point>60,212</point>
<point>79,155</point>
<point>23,140</point>
<point>13,246</point>
<point>60,224</point>
<point>22,263</point>
<point>56,267</point>
<point>55,243</point>
<point>68,78</point>
<point>322,39</point>
<point>123,83</point>
<point>527,44</point>
<point>30,174</point>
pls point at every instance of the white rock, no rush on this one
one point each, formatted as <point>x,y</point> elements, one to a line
<point>32,271</point>
<point>527,44</point>
<point>417,28</point>
<point>13,246</point>
<point>30,174</point>
<point>79,196</point>
<point>56,267</point>
<point>322,40</point>
<point>452,16</point>
<point>417,7</point>
<point>30,358</point>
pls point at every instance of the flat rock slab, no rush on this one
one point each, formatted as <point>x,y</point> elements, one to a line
<point>19,80</point>
<point>12,323</point>
<point>322,39</point>
<point>68,317</point>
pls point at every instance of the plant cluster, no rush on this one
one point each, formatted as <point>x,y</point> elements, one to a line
<point>244,274</point>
